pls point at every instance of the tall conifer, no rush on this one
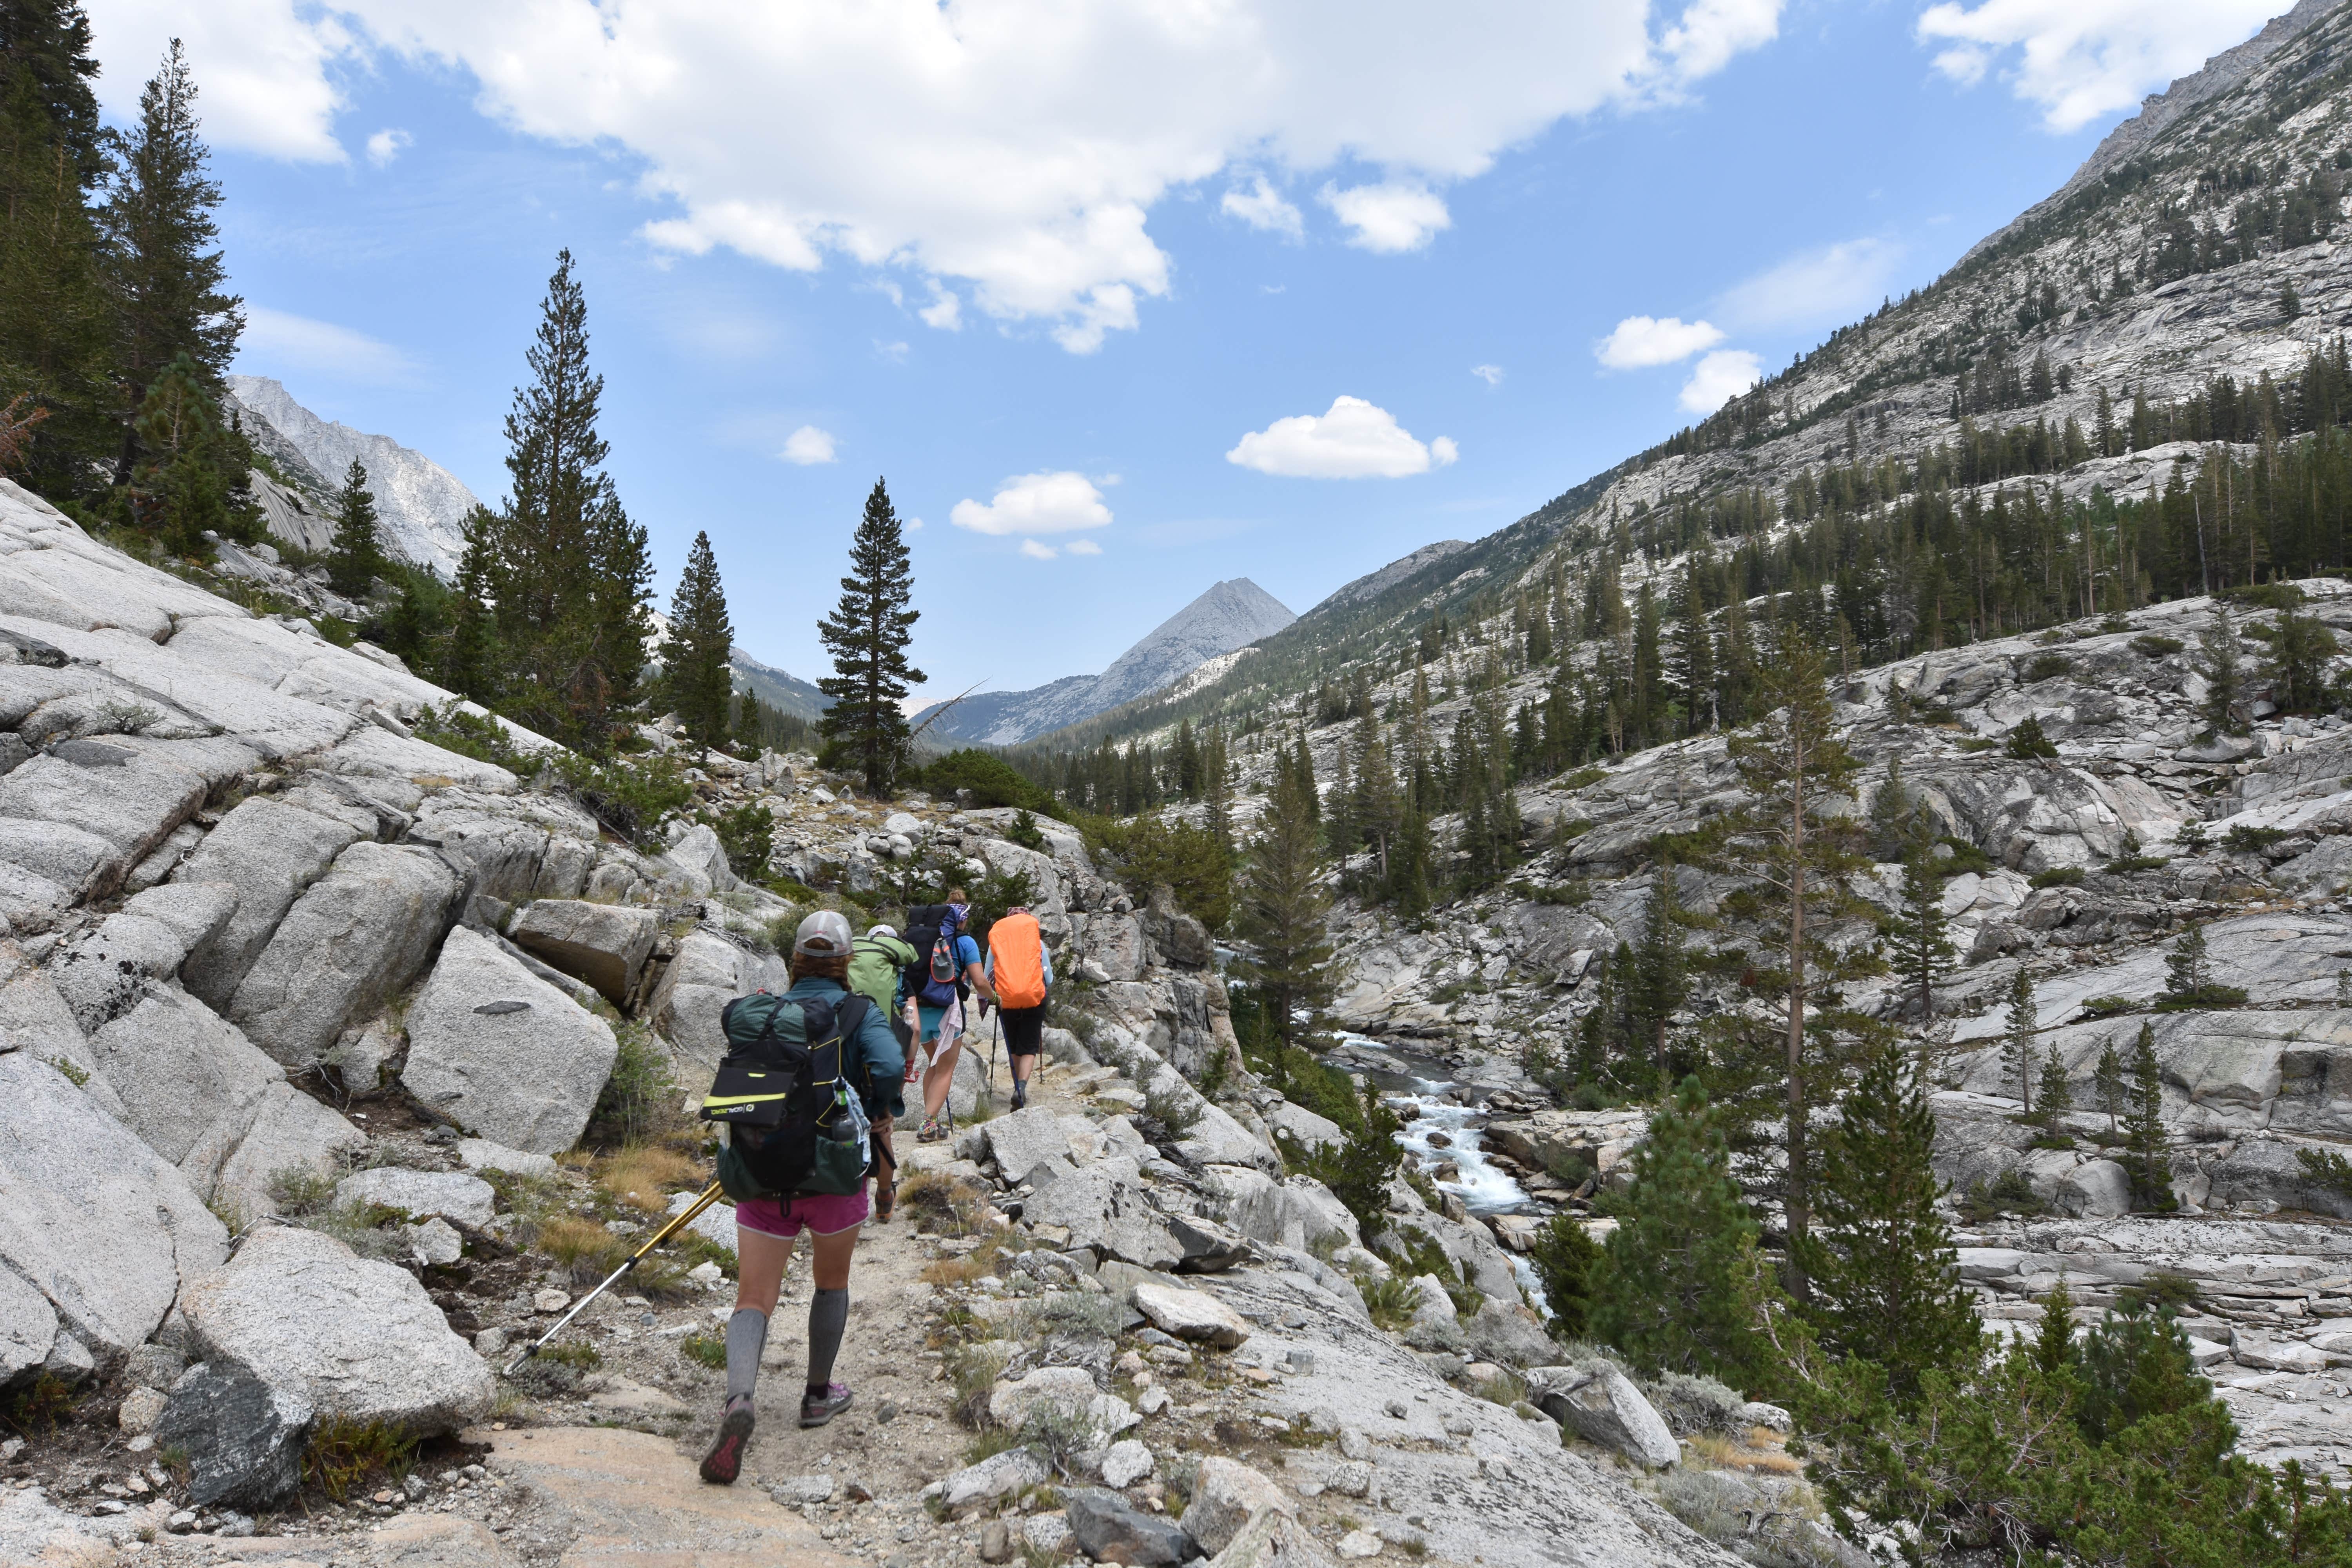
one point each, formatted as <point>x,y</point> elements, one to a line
<point>1886,1279</point>
<point>565,571</point>
<point>867,634</point>
<point>358,554</point>
<point>166,270</point>
<point>702,639</point>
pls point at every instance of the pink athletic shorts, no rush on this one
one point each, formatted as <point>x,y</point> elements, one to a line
<point>824,1214</point>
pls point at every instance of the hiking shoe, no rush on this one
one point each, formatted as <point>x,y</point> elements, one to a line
<point>725,1460</point>
<point>1019,1095</point>
<point>816,1409</point>
<point>932,1131</point>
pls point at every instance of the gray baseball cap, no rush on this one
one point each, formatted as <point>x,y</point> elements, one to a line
<point>825,934</point>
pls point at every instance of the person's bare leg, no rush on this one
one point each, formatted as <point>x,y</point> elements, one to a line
<point>760,1261</point>
<point>941,1076</point>
<point>822,1399</point>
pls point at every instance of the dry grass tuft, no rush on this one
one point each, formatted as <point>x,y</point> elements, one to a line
<point>643,1175</point>
<point>587,1250</point>
<point>943,1205</point>
<point>981,1260</point>
<point>1761,1455</point>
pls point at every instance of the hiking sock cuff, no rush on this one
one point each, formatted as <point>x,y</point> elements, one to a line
<point>828,1316</point>
<point>747,1336</point>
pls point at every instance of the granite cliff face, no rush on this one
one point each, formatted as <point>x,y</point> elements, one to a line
<point>421,505</point>
<point>1230,615</point>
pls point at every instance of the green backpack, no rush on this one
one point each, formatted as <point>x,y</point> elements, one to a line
<point>795,1126</point>
<point>875,964</point>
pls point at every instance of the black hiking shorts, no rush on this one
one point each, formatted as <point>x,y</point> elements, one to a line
<point>1024,1029</point>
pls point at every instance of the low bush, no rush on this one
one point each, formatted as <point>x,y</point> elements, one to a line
<point>344,1455</point>
<point>2058,876</point>
<point>2155,645</point>
<point>704,1350</point>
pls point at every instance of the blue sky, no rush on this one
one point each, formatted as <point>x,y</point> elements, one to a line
<point>1089,293</point>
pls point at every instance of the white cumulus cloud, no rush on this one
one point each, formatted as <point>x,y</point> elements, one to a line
<point>261,69</point>
<point>1492,374</point>
<point>278,341</point>
<point>1720,377</point>
<point>1389,217</point>
<point>1640,342</point>
<point>1083,547</point>
<point>387,144</point>
<point>1833,284</point>
<point>1263,206</point>
<point>1037,552</point>
<point>2080,59</point>
<point>1353,440</point>
<point>945,311</point>
<point>808,445</point>
<point>1060,502</point>
<point>1015,148</point>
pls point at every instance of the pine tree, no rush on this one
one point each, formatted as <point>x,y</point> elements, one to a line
<point>357,557</point>
<point>1408,883</point>
<point>2028,744</point>
<point>1923,947</point>
<point>702,641</point>
<point>1674,1285</point>
<point>867,635</point>
<point>1794,839</point>
<point>1563,1257</point>
<point>2223,668</point>
<point>2300,649</point>
<point>1885,1280</point>
<point>2017,1029</point>
<point>469,659</point>
<point>1894,816</point>
<point>190,478</point>
<point>1658,983</point>
<point>2289,303</point>
<point>1281,911</point>
<point>2187,971</point>
<point>564,571</point>
<point>2150,1167</point>
<point>2109,1079</point>
<point>2053,1096</point>
<point>56,319</point>
<point>2053,1349</point>
<point>166,273</point>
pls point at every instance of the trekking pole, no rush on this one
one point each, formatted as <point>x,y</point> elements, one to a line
<point>710,1194</point>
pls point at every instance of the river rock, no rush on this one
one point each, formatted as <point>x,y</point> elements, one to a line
<point>243,1435</point>
<point>1600,1405</point>
<point>1227,1496</point>
<point>356,1338</point>
<point>605,944</point>
<point>1273,1540</point>
<point>422,1195</point>
<point>351,942</point>
<point>503,1054</point>
<point>1507,1335</point>
<point>1109,1529</point>
<point>1103,1210</point>
<point>269,852</point>
<point>998,1474</point>
<point>1190,1315</point>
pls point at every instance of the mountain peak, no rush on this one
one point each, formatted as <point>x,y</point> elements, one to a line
<point>422,505</point>
<point>1227,615</point>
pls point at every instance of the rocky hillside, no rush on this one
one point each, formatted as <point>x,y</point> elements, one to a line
<point>1230,615</point>
<point>303,1020</point>
<point>421,505</point>
<point>2160,268</point>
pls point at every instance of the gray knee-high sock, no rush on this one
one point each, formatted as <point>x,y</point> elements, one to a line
<point>828,1315</point>
<point>747,1336</point>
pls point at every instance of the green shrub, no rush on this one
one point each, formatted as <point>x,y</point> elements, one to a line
<point>704,1350</point>
<point>1389,1301</point>
<point>1975,743</point>
<point>2247,839</point>
<point>2047,666</point>
<point>640,1098</point>
<point>2264,596</point>
<point>631,798</point>
<point>1192,860</point>
<point>2108,1006</point>
<point>2154,645</point>
<point>1562,1259</point>
<point>2058,876</point>
<point>747,834</point>
<point>2010,1193</point>
<point>1964,857</point>
<point>344,1454</point>
<point>991,779</point>
<point>2027,743</point>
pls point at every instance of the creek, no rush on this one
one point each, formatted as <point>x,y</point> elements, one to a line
<point>1424,1083</point>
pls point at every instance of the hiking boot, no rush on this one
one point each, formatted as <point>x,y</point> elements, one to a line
<point>932,1132</point>
<point>725,1460</point>
<point>816,1409</point>
<point>1019,1095</point>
